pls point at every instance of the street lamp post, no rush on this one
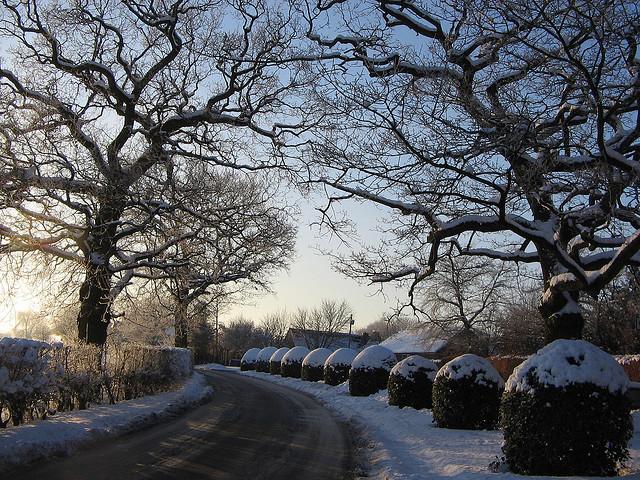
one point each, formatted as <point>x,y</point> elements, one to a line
<point>351,322</point>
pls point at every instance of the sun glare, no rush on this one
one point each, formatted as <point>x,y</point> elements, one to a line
<point>20,299</point>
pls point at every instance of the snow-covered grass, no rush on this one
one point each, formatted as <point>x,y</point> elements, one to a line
<point>405,444</point>
<point>65,432</point>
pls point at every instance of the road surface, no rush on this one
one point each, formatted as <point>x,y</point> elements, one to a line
<point>252,429</point>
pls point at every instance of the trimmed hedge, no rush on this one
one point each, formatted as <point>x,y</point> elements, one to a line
<point>248,361</point>
<point>262,362</point>
<point>565,412</point>
<point>466,394</point>
<point>411,382</point>
<point>369,371</point>
<point>581,429</point>
<point>337,366</point>
<point>291,365</point>
<point>313,365</point>
<point>276,358</point>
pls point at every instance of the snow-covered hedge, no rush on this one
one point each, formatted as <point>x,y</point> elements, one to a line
<point>565,412</point>
<point>466,394</point>
<point>38,379</point>
<point>262,360</point>
<point>337,366</point>
<point>411,382</point>
<point>291,365</point>
<point>313,364</point>
<point>370,369</point>
<point>276,358</point>
<point>249,359</point>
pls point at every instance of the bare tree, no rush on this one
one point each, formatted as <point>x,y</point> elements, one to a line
<point>101,102</point>
<point>319,326</point>
<point>463,293</point>
<point>244,233</point>
<point>507,129</point>
<point>390,324</point>
<point>274,326</point>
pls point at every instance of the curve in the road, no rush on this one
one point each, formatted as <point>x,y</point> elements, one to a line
<point>252,429</point>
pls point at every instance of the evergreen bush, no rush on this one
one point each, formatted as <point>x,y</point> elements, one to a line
<point>565,412</point>
<point>370,369</point>
<point>466,394</point>
<point>337,366</point>
<point>411,381</point>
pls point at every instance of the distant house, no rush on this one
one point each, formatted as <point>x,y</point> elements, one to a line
<point>436,344</point>
<point>298,337</point>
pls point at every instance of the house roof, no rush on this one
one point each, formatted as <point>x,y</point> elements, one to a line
<point>415,340</point>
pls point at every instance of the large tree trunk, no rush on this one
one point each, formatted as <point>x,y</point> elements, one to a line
<point>95,293</point>
<point>562,315</point>
<point>182,321</point>
<point>560,308</point>
<point>95,306</point>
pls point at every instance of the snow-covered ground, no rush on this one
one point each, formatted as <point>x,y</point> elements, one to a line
<point>65,432</point>
<point>404,443</point>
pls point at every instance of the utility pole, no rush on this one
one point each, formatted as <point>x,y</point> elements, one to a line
<point>351,322</point>
<point>216,331</point>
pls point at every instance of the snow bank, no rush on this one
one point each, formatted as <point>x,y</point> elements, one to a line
<point>404,444</point>
<point>415,363</point>
<point>317,357</point>
<point>472,366</point>
<point>295,355</point>
<point>564,362</point>
<point>375,356</point>
<point>413,341</point>
<point>250,356</point>
<point>342,356</point>
<point>65,432</point>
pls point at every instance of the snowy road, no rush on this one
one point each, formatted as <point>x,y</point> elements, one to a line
<point>251,430</point>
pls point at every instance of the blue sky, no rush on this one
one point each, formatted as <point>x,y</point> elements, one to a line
<point>311,277</point>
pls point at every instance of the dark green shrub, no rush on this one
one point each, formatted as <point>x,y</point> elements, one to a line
<point>466,394</point>
<point>276,358</point>
<point>248,361</point>
<point>337,366</point>
<point>313,365</point>
<point>565,412</point>
<point>262,361</point>
<point>370,370</point>
<point>291,365</point>
<point>411,381</point>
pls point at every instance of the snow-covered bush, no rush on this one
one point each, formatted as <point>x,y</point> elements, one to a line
<point>313,364</point>
<point>411,382</point>
<point>249,359</point>
<point>337,366</point>
<point>370,369</point>
<point>262,360</point>
<point>28,379</point>
<point>276,358</point>
<point>291,365</point>
<point>466,394</point>
<point>565,412</point>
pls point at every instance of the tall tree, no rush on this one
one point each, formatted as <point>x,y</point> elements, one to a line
<point>514,124</point>
<point>100,100</point>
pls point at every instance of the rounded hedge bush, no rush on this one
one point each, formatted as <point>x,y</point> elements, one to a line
<point>276,358</point>
<point>248,361</point>
<point>370,369</point>
<point>565,412</point>
<point>466,394</point>
<point>313,364</point>
<point>337,366</point>
<point>291,365</point>
<point>411,381</point>
<point>262,362</point>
